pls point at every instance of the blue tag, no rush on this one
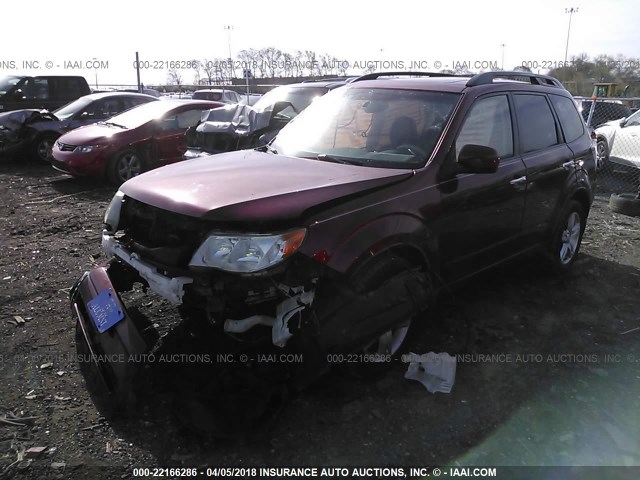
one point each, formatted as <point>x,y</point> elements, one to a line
<point>104,310</point>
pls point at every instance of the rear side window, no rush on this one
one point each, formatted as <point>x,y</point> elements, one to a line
<point>214,96</point>
<point>570,119</point>
<point>36,89</point>
<point>69,88</point>
<point>535,122</point>
<point>488,124</point>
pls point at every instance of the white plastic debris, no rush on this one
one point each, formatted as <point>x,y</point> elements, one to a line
<point>436,371</point>
<point>280,332</point>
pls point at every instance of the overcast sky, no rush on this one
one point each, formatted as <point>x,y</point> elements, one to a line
<point>428,31</point>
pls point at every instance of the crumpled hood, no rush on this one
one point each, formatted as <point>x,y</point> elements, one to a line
<point>17,119</point>
<point>234,119</point>
<point>250,186</point>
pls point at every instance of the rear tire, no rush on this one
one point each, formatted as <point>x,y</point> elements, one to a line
<point>567,236</point>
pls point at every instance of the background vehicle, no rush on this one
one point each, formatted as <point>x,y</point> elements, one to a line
<point>604,111</point>
<point>250,126</point>
<point>619,146</point>
<point>47,92</point>
<point>337,236</point>
<point>140,139</point>
<point>217,95</point>
<point>37,134</point>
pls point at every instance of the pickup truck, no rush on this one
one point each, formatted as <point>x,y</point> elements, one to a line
<point>45,92</point>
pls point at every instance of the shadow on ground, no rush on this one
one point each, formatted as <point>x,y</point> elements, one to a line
<point>546,375</point>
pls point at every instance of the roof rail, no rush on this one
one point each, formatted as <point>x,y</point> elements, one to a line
<point>330,79</point>
<point>373,76</point>
<point>533,78</point>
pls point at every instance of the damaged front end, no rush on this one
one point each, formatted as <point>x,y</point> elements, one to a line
<point>16,129</point>
<point>253,297</point>
<point>234,127</point>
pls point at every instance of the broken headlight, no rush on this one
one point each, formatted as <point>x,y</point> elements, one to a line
<point>112,215</point>
<point>246,253</point>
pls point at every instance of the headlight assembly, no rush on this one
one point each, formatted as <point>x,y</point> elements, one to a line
<point>246,253</point>
<point>112,215</point>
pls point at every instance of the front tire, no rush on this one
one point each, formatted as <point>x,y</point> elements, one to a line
<point>124,166</point>
<point>567,236</point>
<point>602,153</point>
<point>41,149</point>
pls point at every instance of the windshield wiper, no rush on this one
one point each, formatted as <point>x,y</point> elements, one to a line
<point>328,158</point>
<point>267,148</point>
<point>113,124</point>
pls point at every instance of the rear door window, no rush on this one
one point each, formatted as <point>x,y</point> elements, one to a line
<point>536,124</point>
<point>570,119</point>
<point>36,89</point>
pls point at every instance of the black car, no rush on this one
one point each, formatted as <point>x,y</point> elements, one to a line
<point>333,241</point>
<point>247,126</point>
<point>47,92</point>
<point>33,132</point>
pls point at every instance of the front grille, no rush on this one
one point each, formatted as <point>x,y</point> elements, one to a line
<point>65,147</point>
<point>165,237</point>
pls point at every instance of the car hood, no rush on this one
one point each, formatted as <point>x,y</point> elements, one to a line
<point>251,186</point>
<point>91,135</point>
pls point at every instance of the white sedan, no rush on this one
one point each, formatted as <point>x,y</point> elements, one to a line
<point>619,142</point>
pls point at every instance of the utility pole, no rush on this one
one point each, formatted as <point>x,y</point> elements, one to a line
<point>228,28</point>
<point>570,11</point>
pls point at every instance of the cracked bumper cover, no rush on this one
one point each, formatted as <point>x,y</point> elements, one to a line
<point>111,351</point>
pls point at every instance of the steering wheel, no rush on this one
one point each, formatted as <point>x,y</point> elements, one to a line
<point>412,149</point>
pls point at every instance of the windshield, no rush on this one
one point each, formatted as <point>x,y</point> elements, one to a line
<point>7,83</point>
<point>633,119</point>
<point>377,128</point>
<point>142,114</point>
<point>299,97</point>
<point>72,108</point>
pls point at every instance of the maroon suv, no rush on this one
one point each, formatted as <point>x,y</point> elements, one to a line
<point>336,237</point>
<point>130,143</point>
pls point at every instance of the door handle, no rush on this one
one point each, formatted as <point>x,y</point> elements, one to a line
<point>518,181</point>
<point>569,165</point>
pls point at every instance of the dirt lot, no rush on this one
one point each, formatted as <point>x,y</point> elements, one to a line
<point>550,376</point>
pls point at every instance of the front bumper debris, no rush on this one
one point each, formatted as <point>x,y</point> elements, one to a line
<point>171,288</point>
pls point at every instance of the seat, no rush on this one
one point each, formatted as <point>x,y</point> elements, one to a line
<point>403,132</point>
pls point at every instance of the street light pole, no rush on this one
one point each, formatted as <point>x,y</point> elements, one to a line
<point>570,11</point>
<point>502,45</point>
<point>228,28</point>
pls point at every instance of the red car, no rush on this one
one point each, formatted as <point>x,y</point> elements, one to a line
<point>128,144</point>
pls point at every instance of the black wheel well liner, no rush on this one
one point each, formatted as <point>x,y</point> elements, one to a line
<point>582,197</point>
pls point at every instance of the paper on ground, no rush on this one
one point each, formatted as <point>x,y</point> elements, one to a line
<point>436,371</point>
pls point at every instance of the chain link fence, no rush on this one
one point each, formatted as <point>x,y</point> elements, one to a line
<point>616,123</point>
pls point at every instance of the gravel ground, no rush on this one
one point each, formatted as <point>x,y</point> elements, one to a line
<point>548,372</point>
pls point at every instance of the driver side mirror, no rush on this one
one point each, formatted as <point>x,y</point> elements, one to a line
<point>18,95</point>
<point>478,159</point>
<point>623,122</point>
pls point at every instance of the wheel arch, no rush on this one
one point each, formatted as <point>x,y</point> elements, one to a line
<point>402,234</point>
<point>582,196</point>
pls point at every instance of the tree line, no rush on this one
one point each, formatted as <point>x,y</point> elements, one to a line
<point>578,74</point>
